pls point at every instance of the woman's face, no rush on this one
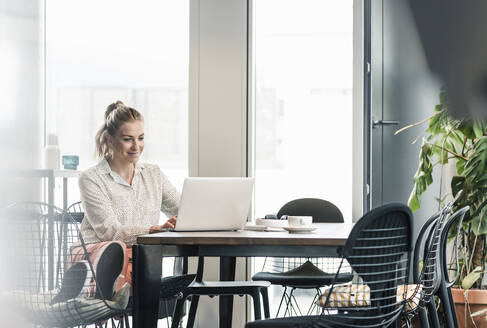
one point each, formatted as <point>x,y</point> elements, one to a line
<point>128,143</point>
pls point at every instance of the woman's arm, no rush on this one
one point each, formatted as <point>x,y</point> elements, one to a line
<point>170,197</point>
<point>101,216</point>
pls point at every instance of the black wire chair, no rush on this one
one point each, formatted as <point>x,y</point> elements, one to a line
<point>303,272</point>
<point>50,279</point>
<point>378,249</point>
<point>426,270</point>
<point>431,270</point>
<point>171,287</point>
<point>76,212</point>
<point>444,288</point>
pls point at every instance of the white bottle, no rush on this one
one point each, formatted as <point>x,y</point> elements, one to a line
<point>52,155</point>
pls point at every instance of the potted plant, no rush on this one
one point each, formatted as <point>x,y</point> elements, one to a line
<point>462,143</point>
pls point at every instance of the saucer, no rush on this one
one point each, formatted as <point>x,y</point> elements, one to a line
<point>271,223</point>
<point>253,227</point>
<point>299,229</point>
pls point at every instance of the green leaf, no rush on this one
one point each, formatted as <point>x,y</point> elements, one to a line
<point>457,184</point>
<point>413,201</point>
<point>438,123</point>
<point>460,165</point>
<point>457,138</point>
<point>478,128</point>
<point>466,127</point>
<point>482,230</point>
<point>471,278</point>
<point>450,146</point>
<point>477,165</point>
<point>479,215</point>
<point>435,125</point>
<point>423,177</point>
<point>440,153</point>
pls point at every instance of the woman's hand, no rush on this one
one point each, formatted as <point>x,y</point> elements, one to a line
<point>169,224</point>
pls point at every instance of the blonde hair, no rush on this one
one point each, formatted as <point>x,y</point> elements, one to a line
<point>116,115</point>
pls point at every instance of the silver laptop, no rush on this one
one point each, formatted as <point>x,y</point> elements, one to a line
<point>214,204</point>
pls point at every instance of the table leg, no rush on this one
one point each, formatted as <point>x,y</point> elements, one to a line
<point>65,193</point>
<point>227,273</point>
<point>50,234</point>
<point>146,284</point>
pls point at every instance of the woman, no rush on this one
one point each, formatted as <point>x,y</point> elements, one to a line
<point>123,198</point>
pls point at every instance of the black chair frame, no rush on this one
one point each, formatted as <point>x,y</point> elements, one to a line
<point>303,273</point>
<point>42,240</point>
<point>171,287</point>
<point>378,249</point>
<point>427,276</point>
<point>444,289</point>
<point>216,288</point>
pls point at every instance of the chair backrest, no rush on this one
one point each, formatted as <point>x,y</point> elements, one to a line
<point>76,211</point>
<point>321,210</point>
<point>455,217</point>
<point>50,279</point>
<point>379,250</point>
<point>426,259</point>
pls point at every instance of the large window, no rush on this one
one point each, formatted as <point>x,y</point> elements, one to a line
<point>98,52</point>
<point>303,104</point>
<point>303,110</point>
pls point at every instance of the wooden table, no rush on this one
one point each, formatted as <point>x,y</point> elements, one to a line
<point>326,241</point>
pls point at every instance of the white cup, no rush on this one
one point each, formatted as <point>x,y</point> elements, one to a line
<point>299,221</point>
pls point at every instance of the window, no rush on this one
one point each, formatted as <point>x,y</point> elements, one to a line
<point>98,52</point>
<point>303,104</point>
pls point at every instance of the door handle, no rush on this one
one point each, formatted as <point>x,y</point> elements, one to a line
<point>384,122</point>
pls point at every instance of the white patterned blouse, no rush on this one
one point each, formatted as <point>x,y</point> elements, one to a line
<point>115,210</point>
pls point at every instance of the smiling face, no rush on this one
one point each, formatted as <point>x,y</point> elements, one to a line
<point>128,143</point>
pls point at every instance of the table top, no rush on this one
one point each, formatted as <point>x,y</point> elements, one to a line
<point>326,234</point>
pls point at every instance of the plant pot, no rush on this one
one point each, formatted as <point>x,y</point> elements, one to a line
<point>477,300</point>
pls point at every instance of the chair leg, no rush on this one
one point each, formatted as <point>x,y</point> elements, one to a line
<point>192,311</point>
<point>265,300</point>
<point>288,304</point>
<point>396,323</point>
<point>290,308</point>
<point>452,307</point>
<point>127,322</point>
<point>178,312</point>
<point>435,322</point>
<point>292,298</point>
<point>445,301</point>
<point>423,317</point>
<point>284,294</point>
<point>167,313</point>
<point>313,304</point>
<point>407,321</point>
<point>256,298</point>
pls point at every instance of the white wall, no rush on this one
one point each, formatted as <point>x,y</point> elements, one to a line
<point>21,104</point>
<point>21,89</point>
